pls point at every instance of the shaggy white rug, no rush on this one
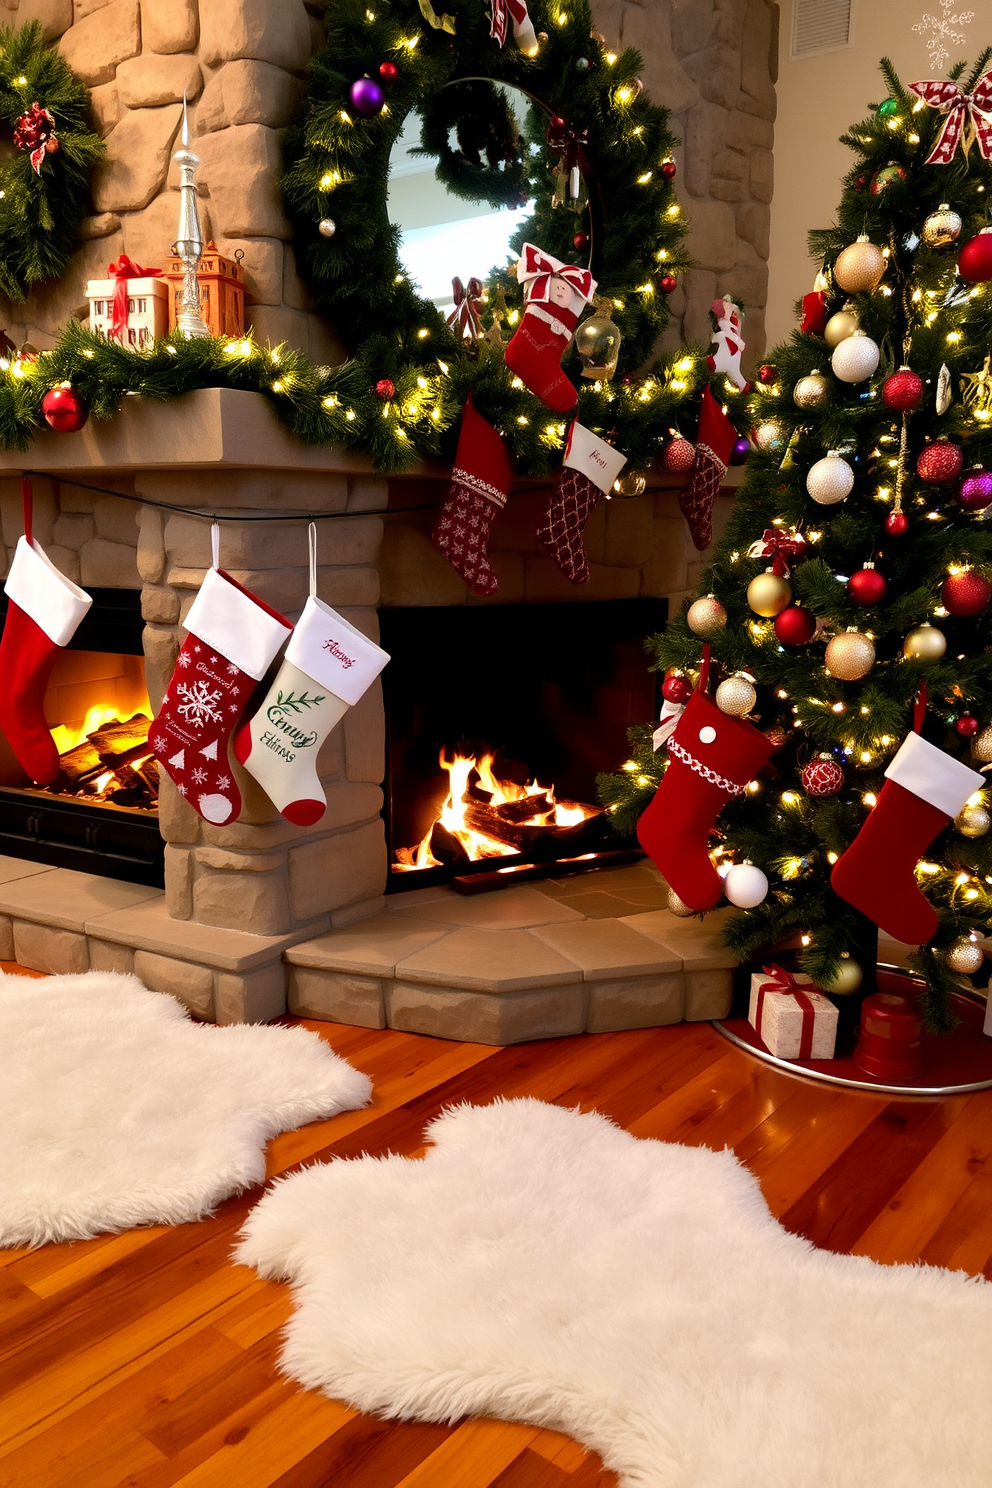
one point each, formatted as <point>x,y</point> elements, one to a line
<point>117,1110</point>
<point>543,1266</point>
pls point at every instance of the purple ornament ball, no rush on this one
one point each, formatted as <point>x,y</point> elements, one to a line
<point>975,493</point>
<point>740,451</point>
<point>367,97</point>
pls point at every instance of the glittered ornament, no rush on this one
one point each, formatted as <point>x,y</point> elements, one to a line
<point>669,169</point>
<point>967,726</point>
<point>64,409</point>
<point>903,390</point>
<point>896,523</point>
<point>741,450</point>
<point>924,643</point>
<point>859,266</point>
<point>855,359</point>
<point>736,696</point>
<point>889,175</point>
<point>830,480</point>
<point>975,258</point>
<point>679,455</point>
<point>676,688</point>
<point>767,373</point>
<point>975,492</point>
<point>631,483</point>
<point>823,777</point>
<point>385,389</point>
<point>982,745</point>
<point>795,625</point>
<point>706,616</point>
<point>811,391</point>
<point>965,956</point>
<point>327,227</point>
<point>388,71</point>
<point>768,594</point>
<point>966,593</point>
<point>973,821</point>
<point>580,241</point>
<point>366,97</point>
<point>668,283</point>
<point>849,656</point>
<point>769,436</point>
<point>841,325</point>
<point>939,462</point>
<point>845,980</point>
<point>867,587</point>
<point>941,228</point>
<point>745,885</point>
<point>678,906</point>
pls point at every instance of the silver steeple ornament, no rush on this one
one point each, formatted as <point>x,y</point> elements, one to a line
<point>189,242</point>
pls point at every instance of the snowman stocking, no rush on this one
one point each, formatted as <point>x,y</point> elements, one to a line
<point>232,641</point>
<point>588,471</point>
<point>327,668</point>
<point>556,293</point>
<point>44,608</point>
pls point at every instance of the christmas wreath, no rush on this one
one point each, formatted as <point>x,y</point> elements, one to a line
<point>44,185</point>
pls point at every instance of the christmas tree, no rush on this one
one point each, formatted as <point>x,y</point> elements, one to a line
<point>852,588</point>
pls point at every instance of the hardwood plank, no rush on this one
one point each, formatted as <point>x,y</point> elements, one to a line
<point>531,1470</point>
<point>473,1456</point>
<point>366,1453</point>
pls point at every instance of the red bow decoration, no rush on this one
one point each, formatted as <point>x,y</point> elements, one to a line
<point>969,116</point>
<point>465,316</point>
<point>541,268</point>
<point>122,271</point>
<point>779,547</point>
<point>781,980</point>
<point>501,12</point>
<point>35,131</point>
<point>568,142</point>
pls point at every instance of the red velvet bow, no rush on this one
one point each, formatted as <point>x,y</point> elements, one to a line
<point>500,14</point>
<point>542,268</point>
<point>465,316</point>
<point>779,547</point>
<point>781,980</point>
<point>568,141</point>
<point>968,115</point>
<point>121,271</point>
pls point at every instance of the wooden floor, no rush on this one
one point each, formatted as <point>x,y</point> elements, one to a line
<point>147,1359</point>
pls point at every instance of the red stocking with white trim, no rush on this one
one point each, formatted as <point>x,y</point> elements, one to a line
<point>556,294</point>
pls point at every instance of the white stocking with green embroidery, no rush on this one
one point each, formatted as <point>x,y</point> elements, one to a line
<point>327,667</point>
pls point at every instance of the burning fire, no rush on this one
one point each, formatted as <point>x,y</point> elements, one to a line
<point>106,756</point>
<point>100,713</point>
<point>452,812</point>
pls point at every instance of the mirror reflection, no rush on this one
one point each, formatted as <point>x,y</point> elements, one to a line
<point>459,183</point>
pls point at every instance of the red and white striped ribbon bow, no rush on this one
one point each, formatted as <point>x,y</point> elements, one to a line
<point>969,115</point>
<point>464,318</point>
<point>501,13</point>
<point>537,269</point>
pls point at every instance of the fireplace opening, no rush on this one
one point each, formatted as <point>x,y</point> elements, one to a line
<point>100,813</point>
<point>498,719</point>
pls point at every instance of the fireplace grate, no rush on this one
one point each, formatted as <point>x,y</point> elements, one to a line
<point>115,841</point>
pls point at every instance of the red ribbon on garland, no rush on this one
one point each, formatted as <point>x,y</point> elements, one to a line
<point>464,319</point>
<point>569,142</point>
<point>501,12</point>
<point>782,981</point>
<point>35,131</point>
<point>542,268</point>
<point>121,271</point>
<point>968,115</point>
<point>779,547</point>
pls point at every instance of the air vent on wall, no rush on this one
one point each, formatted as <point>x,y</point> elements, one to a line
<point>820,26</point>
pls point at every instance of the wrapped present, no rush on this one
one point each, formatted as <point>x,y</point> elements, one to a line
<point>791,1018</point>
<point>131,306</point>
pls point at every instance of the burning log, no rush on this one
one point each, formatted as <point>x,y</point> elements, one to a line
<point>81,764</point>
<point>528,835</point>
<point>121,740</point>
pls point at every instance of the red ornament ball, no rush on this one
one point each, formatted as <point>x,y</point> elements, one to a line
<point>388,71</point>
<point>967,726</point>
<point>867,586</point>
<point>976,491</point>
<point>385,389</point>
<point>975,259</point>
<point>823,777</point>
<point>795,626</point>
<point>896,523</point>
<point>940,462</point>
<point>965,593</point>
<point>669,170</point>
<point>64,409</point>
<point>676,689</point>
<point>903,390</point>
<point>668,283</point>
<point>679,455</point>
<point>767,373</point>
<point>581,241</point>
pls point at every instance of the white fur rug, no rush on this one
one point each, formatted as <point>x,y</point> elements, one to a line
<point>117,1110</point>
<point>543,1266</point>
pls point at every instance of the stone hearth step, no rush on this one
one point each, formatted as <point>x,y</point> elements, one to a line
<point>594,953</point>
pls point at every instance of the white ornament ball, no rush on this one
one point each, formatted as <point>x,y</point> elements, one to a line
<point>745,885</point>
<point>964,956</point>
<point>769,436</point>
<point>855,359</point>
<point>327,227</point>
<point>736,696</point>
<point>678,906</point>
<point>830,480</point>
<point>706,616</point>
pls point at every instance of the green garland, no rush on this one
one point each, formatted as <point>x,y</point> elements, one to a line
<point>40,212</point>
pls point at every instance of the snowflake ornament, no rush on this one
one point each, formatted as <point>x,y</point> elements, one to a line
<point>199,703</point>
<point>943,32</point>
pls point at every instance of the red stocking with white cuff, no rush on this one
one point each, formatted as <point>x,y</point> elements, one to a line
<point>589,469</point>
<point>714,444</point>
<point>44,609</point>
<point>480,482</point>
<point>556,293</point>
<point>233,639</point>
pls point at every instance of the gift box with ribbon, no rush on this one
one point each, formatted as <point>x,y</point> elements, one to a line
<point>131,306</point>
<point>791,1018</point>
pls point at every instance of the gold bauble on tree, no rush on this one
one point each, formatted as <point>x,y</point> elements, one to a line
<point>768,594</point>
<point>846,979</point>
<point>811,391</point>
<point>736,695</point>
<point>941,228</point>
<point>631,483</point>
<point>706,616</point>
<point>924,643</point>
<point>982,745</point>
<point>769,436</point>
<point>973,821</point>
<point>964,956</point>
<point>597,341</point>
<point>841,325</point>
<point>859,266</point>
<point>849,656</point>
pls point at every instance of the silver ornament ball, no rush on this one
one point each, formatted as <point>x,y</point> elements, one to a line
<point>811,391</point>
<point>706,616</point>
<point>769,436</point>
<point>327,227</point>
<point>736,696</point>
<point>964,956</point>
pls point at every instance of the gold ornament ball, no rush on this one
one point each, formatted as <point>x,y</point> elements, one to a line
<point>736,696</point>
<point>841,325</point>
<point>973,821</point>
<point>597,342</point>
<point>964,956</point>
<point>811,391</point>
<point>327,227</point>
<point>941,228</point>
<point>706,616</point>
<point>849,656</point>
<point>859,266</point>
<point>768,594</point>
<point>631,483</point>
<point>769,436</point>
<point>846,979</point>
<point>678,906</point>
<point>982,745</point>
<point>924,643</point>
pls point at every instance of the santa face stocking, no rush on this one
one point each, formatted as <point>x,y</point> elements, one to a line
<point>43,613</point>
<point>233,639</point>
<point>328,666</point>
<point>713,447</point>
<point>589,469</point>
<point>556,293</point>
<point>924,790</point>
<point>480,481</point>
